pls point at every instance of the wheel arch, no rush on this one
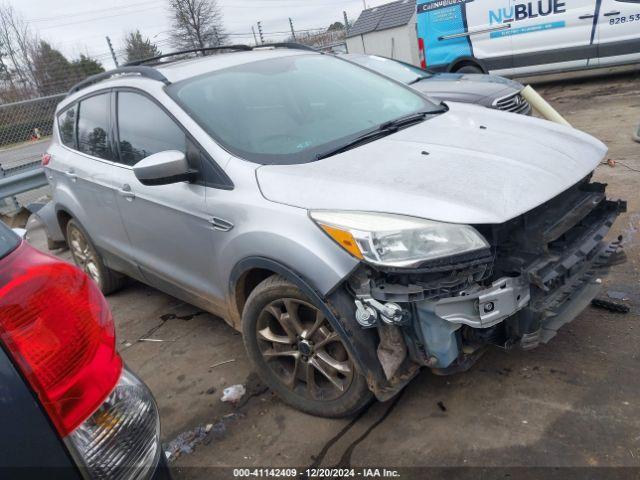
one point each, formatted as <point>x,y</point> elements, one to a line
<point>335,305</point>
<point>249,272</point>
<point>63,216</point>
<point>467,61</point>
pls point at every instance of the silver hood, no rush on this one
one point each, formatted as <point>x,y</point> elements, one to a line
<point>470,165</point>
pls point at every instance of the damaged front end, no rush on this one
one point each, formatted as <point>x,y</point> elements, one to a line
<point>538,272</point>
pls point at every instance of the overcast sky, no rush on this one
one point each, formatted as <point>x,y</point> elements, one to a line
<point>75,27</point>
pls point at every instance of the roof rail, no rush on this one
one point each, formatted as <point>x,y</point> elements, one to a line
<point>192,50</point>
<point>146,72</point>
<point>241,48</point>
<point>291,45</point>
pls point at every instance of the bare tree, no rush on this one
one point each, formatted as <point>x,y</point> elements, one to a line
<point>196,24</point>
<point>17,44</point>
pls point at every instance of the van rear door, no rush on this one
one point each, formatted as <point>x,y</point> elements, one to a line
<point>619,32</point>
<point>551,35</point>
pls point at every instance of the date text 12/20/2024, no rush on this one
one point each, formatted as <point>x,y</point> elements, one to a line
<point>315,473</point>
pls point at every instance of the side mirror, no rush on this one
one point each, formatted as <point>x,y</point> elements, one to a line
<point>163,168</point>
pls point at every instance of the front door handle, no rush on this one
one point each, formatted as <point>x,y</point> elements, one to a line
<point>610,14</point>
<point>220,224</point>
<point>126,192</point>
<point>584,17</point>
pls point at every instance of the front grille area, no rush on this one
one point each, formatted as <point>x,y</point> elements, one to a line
<point>558,242</point>
<point>514,103</point>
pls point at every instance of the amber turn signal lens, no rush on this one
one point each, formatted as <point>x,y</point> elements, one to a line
<point>345,240</point>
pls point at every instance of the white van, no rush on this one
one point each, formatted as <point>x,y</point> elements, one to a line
<point>514,37</point>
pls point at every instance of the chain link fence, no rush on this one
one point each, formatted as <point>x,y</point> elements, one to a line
<point>24,130</point>
<point>27,120</point>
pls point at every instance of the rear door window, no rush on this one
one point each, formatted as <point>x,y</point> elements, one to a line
<point>67,126</point>
<point>93,126</point>
<point>144,129</point>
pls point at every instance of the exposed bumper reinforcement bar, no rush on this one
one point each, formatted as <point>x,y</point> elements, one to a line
<point>488,307</point>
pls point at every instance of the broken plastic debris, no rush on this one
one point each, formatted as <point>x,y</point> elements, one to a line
<point>233,393</point>
<point>618,295</point>
<point>185,442</point>
<point>222,363</point>
<point>611,306</point>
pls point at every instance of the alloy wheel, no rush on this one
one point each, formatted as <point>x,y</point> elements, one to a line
<point>299,345</point>
<point>84,255</point>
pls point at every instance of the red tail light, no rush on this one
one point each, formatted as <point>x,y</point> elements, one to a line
<point>58,328</point>
<point>46,158</point>
<point>423,53</point>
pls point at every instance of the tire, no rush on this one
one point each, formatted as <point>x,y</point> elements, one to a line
<point>290,343</point>
<point>469,69</point>
<point>86,257</point>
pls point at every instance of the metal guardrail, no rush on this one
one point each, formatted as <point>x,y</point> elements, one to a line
<point>21,179</point>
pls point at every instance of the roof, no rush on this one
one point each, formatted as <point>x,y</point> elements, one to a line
<point>183,69</point>
<point>175,71</point>
<point>389,15</point>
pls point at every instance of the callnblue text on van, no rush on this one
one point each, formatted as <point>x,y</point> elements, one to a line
<point>522,11</point>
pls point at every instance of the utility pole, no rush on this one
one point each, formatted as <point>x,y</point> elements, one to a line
<point>255,39</point>
<point>293,32</point>
<point>260,32</point>
<point>215,34</point>
<point>364,4</point>
<point>346,29</point>
<point>113,53</point>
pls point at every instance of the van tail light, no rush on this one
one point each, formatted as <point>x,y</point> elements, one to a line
<point>46,158</point>
<point>422,53</point>
<point>57,327</point>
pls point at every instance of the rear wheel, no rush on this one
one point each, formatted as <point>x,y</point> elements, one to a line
<point>298,354</point>
<point>86,257</point>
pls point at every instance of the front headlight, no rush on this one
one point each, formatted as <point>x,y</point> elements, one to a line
<point>396,240</point>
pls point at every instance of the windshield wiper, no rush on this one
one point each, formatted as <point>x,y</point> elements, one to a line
<point>406,120</point>
<point>382,130</point>
<point>367,137</point>
<point>416,80</point>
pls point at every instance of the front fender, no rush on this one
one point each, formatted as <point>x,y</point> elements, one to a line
<point>338,307</point>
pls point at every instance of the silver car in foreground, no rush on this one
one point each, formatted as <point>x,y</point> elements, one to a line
<point>353,230</point>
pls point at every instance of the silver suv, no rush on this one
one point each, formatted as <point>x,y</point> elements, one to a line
<point>353,230</point>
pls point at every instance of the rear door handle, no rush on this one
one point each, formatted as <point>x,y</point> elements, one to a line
<point>72,175</point>
<point>126,192</point>
<point>584,17</point>
<point>609,14</point>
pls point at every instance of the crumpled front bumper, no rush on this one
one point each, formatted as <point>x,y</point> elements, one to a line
<point>527,309</point>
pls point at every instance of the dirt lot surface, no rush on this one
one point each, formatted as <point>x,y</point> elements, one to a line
<point>572,403</point>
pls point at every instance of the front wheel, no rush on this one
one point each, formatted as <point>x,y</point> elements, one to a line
<point>298,354</point>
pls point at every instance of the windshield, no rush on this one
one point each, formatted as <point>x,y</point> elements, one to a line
<point>291,109</point>
<point>400,71</point>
